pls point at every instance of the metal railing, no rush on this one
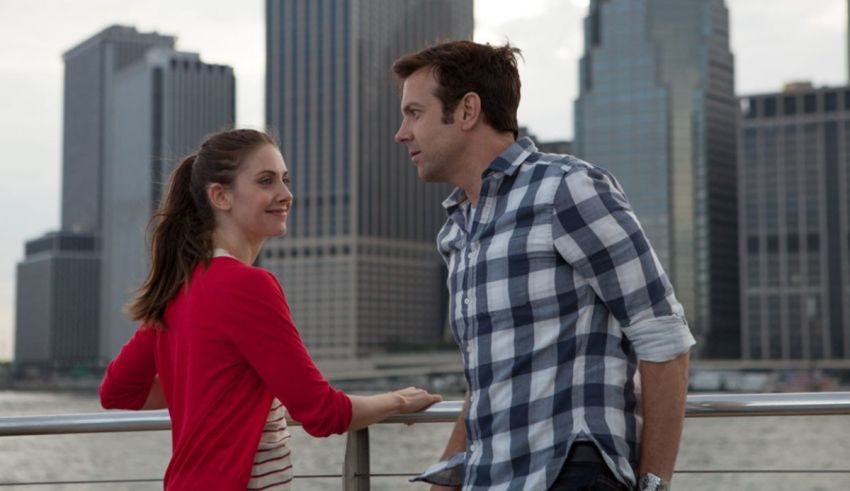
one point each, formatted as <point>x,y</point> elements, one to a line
<point>356,469</point>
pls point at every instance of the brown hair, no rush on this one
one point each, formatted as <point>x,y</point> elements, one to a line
<point>181,230</point>
<point>464,66</point>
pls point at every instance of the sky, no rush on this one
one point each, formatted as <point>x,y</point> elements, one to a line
<point>774,41</point>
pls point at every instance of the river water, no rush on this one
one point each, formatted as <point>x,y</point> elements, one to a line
<point>773,443</point>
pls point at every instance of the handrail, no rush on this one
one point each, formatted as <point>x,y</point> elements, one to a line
<point>356,474</point>
<point>699,405</point>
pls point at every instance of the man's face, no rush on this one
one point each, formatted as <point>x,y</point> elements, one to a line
<point>433,145</point>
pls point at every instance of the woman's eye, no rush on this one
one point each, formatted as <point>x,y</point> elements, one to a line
<point>266,180</point>
<point>286,181</point>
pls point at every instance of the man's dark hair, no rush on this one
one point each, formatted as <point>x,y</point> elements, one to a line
<point>464,66</point>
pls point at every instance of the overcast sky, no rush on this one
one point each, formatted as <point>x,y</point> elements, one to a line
<point>774,41</point>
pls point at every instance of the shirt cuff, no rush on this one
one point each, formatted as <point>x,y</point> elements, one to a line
<point>448,472</point>
<point>660,339</point>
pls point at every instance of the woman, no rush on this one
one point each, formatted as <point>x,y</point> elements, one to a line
<point>217,344</point>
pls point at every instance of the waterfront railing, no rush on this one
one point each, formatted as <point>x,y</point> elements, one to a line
<point>355,474</point>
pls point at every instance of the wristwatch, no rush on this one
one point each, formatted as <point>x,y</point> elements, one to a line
<point>651,482</point>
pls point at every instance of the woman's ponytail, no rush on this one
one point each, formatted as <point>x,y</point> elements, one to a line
<point>178,241</point>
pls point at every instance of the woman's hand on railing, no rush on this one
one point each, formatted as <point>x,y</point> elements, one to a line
<point>414,400</point>
<point>366,410</point>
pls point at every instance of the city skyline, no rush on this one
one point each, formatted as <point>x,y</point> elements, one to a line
<point>770,48</point>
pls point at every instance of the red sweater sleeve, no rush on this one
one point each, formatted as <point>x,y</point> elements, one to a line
<point>129,377</point>
<point>259,324</point>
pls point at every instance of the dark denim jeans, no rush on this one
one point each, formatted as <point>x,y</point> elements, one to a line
<point>587,476</point>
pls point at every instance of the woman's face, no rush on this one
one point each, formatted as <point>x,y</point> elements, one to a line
<point>259,197</point>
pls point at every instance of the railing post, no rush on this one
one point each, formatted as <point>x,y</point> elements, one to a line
<point>355,467</point>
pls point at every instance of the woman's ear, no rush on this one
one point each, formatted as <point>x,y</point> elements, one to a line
<point>470,110</point>
<point>219,197</point>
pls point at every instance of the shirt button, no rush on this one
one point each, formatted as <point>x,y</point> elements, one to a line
<point>466,301</point>
<point>472,447</point>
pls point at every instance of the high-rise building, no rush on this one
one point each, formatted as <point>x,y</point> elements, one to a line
<point>133,106</point>
<point>57,298</point>
<point>794,176</point>
<point>657,108</point>
<point>162,107</point>
<point>359,266</point>
<point>57,322</point>
<point>90,71</point>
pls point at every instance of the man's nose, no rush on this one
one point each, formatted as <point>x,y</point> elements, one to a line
<point>402,135</point>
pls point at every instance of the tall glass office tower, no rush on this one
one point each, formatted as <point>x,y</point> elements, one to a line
<point>657,108</point>
<point>359,265</point>
<point>90,70</point>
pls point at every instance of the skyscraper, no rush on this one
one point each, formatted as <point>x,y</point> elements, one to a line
<point>162,107</point>
<point>794,175</point>
<point>90,70</point>
<point>359,265</point>
<point>133,106</point>
<point>57,297</point>
<point>657,108</point>
<point>58,282</point>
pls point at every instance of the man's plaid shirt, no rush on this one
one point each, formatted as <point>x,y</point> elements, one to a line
<point>555,294</point>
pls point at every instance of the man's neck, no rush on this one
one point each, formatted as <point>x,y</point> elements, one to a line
<point>479,156</point>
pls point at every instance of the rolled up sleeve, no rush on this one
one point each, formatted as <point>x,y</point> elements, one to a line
<point>595,230</point>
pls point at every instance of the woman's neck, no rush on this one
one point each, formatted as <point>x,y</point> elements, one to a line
<point>240,249</point>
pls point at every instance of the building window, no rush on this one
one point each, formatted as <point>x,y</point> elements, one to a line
<point>813,242</point>
<point>793,243</point>
<point>789,103</point>
<point>753,245</point>
<point>810,103</point>
<point>769,107</point>
<point>830,102</point>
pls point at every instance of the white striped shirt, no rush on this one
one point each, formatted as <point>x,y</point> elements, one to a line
<point>272,470</point>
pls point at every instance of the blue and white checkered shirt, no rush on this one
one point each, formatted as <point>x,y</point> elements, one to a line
<point>555,295</point>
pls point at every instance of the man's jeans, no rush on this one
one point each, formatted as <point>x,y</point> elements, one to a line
<point>586,474</point>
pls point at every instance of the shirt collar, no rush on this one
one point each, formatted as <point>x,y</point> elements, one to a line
<point>507,162</point>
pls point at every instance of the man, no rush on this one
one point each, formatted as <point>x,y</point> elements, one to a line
<point>557,298</point>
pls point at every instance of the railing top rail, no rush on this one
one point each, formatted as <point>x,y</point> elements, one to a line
<point>699,405</point>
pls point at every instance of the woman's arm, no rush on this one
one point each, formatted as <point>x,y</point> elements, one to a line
<point>129,379</point>
<point>367,410</point>
<point>156,399</point>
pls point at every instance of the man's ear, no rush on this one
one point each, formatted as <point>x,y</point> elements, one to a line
<point>470,110</point>
<point>219,196</point>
